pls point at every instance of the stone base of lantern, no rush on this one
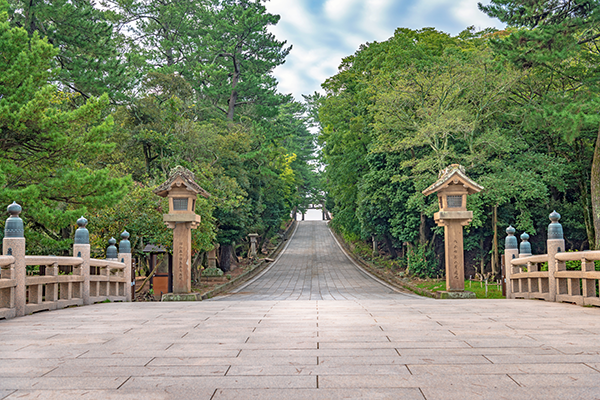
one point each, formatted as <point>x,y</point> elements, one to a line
<point>465,294</point>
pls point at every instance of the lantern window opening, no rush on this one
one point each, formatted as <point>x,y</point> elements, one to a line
<point>455,201</point>
<point>180,204</point>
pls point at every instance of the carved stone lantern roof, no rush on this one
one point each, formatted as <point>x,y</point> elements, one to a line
<point>454,174</point>
<point>181,177</point>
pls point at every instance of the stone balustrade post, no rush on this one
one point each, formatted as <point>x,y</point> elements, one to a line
<point>13,244</point>
<point>511,251</point>
<point>125,258</point>
<point>555,244</point>
<point>52,289</point>
<point>112,255</point>
<point>81,248</point>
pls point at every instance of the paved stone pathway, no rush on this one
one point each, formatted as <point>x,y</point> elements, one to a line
<point>313,267</point>
<point>393,347</point>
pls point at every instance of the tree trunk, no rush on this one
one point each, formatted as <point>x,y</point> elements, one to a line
<point>482,262</point>
<point>234,94</point>
<point>196,271</point>
<point>170,60</point>
<point>409,253</point>
<point>423,230</point>
<point>390,246</point>
<point>495,241</point>
<point>595,189</point>
<point>225,257</point>
<point>588,216</point>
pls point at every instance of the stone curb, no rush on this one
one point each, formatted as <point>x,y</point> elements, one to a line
<point>371,268</point>
<point>238,281</point>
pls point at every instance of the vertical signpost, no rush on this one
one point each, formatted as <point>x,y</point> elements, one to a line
<point>452,188</point>
<point>182,191</point>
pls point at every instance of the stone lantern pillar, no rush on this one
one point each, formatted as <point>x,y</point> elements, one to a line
<point>253,237</point>
<point>452,188</point>
<point>182,191</point>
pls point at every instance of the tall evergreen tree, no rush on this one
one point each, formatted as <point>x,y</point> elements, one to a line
<point>240,55</point>
<point>561,39</point>
<point>89,60</point>
<point>48,147</point>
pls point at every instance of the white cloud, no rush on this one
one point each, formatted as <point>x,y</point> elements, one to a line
<point>339,10</point>
<point>323,33</point>
<point>467,12</point>
<point>375,18</point>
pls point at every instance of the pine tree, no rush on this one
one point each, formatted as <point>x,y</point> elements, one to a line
<point>48,147</point>
<point>560,38</point>
<point>88,55</point>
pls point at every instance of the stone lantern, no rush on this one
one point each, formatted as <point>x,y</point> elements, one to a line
<point>452,187</point>
<point>253,238</point>
<point>182,191</point>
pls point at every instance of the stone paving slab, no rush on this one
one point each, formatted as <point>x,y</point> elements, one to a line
<point>121,394</point>
<point>236,382</point>
<point>484,369</point>
<point>511,394</point>
<point>310,394</point>
<point>395,381</point>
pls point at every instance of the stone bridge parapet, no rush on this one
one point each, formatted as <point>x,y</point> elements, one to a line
<point>546,276</point>
<point>61,281</point>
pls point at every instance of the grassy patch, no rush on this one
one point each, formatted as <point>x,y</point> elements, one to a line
<point>494,291</point>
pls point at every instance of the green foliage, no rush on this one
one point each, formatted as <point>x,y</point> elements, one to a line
<point>493,291</point>
<point>189,84</point>
<point>49,146</point>
<point>212,273</point>
<point>399,111</point>
<point>422,262</point>
<point>87,47</point>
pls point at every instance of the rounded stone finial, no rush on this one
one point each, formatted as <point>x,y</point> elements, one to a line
<point>82,222</point>
<point>525,247</point>
<point>555,230</point>
<point>510,242</point>
<point>14,209</point>
<point>111,250</point>
<point>124,244</point>
<point>82,236</point>
<point>14,224</point>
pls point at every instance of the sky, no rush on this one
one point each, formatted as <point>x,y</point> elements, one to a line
<point>322,32</point>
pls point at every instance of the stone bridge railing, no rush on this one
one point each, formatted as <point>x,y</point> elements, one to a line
<point>545,276</point>
<point>61,281</point>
